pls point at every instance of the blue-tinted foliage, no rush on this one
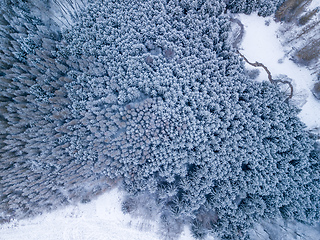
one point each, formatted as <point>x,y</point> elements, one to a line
<point>262,7</point>
<point>149,93</point>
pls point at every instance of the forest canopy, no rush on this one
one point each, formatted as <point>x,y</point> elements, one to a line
<point>150,94</point>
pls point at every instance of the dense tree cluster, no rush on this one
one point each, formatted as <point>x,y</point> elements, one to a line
<point>152,93</point>
<point>36,172</point>
<point>262,7</point>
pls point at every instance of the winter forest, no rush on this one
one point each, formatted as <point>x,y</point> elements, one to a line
<point>150,96</point>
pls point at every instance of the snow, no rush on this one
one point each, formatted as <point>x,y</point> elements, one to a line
<point>261,43</point>
<point>314,4</point>
<point>100,219</point>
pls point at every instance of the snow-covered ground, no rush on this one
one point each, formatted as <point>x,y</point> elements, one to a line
<point>102,218</point>
<point>261,43</point>
<point>314,4</point>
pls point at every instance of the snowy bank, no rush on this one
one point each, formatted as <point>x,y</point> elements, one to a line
<point>261,43</point>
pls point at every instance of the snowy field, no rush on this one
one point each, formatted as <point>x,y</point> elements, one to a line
<point>102,218</point>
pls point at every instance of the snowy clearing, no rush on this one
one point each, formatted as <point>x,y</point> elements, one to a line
<point>261,43</point>
<point>101,219</point>
<point>314,4</point>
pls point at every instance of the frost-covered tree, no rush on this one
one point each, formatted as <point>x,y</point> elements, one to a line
<point>149,93</point>
<point>263,7</point>
<point>36,171</point>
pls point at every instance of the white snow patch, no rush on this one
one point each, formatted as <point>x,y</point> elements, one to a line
<point>314,4</point>
<point>262,44</point>
<point>101,219</point>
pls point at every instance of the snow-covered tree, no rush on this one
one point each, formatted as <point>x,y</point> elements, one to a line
<point>149,93</point>
<point>263,7</point>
